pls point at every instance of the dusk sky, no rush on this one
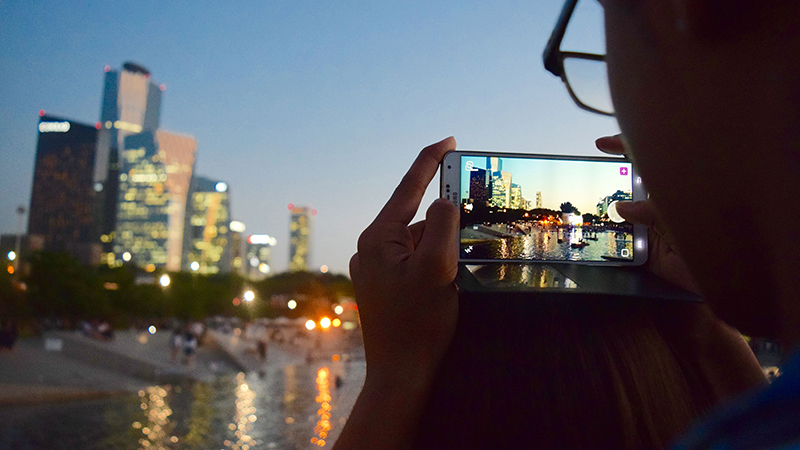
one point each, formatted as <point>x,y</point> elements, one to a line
<point>314,103</point>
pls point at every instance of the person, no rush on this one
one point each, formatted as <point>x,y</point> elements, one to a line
<point>175,343</point>
<point>189,347</point>
<point>706,97</point>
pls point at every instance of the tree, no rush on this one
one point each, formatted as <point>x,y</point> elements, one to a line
<point>568,208</point>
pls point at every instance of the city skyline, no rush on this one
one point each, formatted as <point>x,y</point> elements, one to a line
<point>582,183</point>
<point>281,114</point>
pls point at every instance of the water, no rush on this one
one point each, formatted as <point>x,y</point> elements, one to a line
<point>284,407</point>
<point>543,244</point>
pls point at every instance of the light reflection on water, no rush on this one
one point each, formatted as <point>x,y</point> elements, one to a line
<point>243,418</point>
<point>324,412</point>
<point>554,244</point>
<point>157,426</point>
<point>281,407</point>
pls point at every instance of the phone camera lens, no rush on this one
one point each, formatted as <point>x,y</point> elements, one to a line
<point>448,167</point>
<point>447,186</point>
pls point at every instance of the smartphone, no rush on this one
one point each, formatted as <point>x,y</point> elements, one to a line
<point>518,207</point>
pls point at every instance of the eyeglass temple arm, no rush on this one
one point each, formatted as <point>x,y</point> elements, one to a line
<point>552,62</point>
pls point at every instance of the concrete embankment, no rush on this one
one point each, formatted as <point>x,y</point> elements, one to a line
<point>60,366</point>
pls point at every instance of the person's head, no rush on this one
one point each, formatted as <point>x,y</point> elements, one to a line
<point>570,374</point>
<point>707,95</point>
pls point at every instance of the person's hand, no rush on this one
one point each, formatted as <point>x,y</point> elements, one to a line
<point>663,259</point>
<point>404,276</point>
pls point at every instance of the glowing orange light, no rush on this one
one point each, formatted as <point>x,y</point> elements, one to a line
<point>336,322</point>
<point>323,269</point>
<point>325,322</point>
<point>310,325</point>
<point>236,301</point>
<point>10,270</point>
<point>335,358</point>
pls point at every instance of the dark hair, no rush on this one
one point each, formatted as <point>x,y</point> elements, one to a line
<point>552,374</point>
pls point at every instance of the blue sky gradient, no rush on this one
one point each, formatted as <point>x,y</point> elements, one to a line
<point>309,102</point>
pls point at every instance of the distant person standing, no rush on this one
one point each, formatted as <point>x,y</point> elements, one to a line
<point>189,348</point>
<point>175,343</point>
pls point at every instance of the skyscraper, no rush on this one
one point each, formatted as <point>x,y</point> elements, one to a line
<point>478,191</point>
<point>207,235</point>
<point>299,236</point>
<point>63,194</point>
<point>517,201</point>
<point>258,255</point>
<point>131,104</point>
<point>155,169</point>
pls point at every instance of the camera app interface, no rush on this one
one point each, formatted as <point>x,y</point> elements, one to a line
<point>546,210</point>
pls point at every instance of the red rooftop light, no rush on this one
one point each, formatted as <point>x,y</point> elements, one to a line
<point>98,125</point>
<point>313,212</point>
<point>291,206</point>
<point>41,113</point>
<point>163,87</point>
<point>107,69</point>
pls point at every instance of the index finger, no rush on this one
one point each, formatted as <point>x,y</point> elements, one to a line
<point>403,204</point>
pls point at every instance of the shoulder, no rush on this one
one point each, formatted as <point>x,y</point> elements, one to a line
<point>767,418</point>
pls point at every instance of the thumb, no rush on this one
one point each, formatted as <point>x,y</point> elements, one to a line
<point>641,212</point>
<point>438,248</point>
<point>614,145</point>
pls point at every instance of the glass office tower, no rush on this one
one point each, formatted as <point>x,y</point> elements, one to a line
<point>131,105</point>
<point>299,237</point>
<point>155,169</point>
<point>62,199</point>
<point>207,236</point>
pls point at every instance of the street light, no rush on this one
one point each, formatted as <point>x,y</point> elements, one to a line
<point>325,323</point>
<point>310,325</point>
<point>12,255</point>
<point>164,280</point>
<point>249,296</point>
<point>292,304</point>
<point>338,309</point>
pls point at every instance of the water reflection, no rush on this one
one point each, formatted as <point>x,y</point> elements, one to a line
<point>323,398</point>
<point>244,416</point>
<point>157,426</point>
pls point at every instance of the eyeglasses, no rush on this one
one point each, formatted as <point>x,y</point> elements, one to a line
<point>584,74</point>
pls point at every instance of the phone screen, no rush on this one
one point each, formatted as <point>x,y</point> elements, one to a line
<point>530,209</point>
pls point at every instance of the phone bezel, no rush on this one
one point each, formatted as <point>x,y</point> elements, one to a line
<point>450,188</point>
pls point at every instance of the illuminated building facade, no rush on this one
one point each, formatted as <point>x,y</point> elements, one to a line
<point>517,201</point>
<point>299,237</point>
<point>155,169</point>
<point>499,183</point>
<point>207,235</point>
<point>63,195</point>
<point>538,199</point>
<point>236,245</point>
<point>478,191</point>
<point>131,105</point>
<point>258,256</point>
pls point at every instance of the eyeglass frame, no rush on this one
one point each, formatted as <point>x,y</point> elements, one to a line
<point>553,57</point>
